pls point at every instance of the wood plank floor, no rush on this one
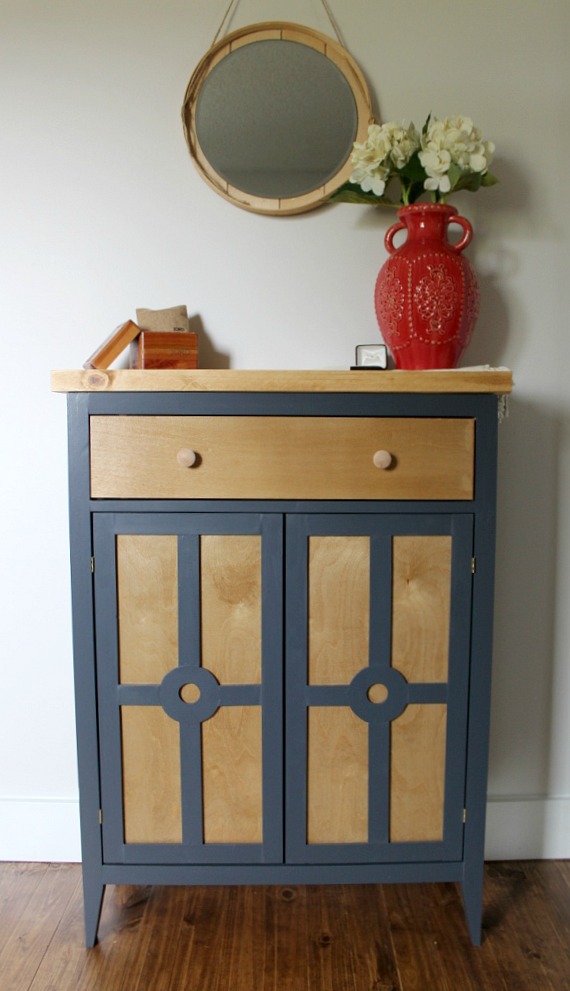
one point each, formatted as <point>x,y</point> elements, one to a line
<point>331,938</point>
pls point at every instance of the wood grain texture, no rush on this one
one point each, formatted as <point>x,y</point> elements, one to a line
<point>232,775</point>
<point>32,900</point>
<point>526,932</point>
<point>337,776</point>
<point>431,949</point>
<point>417,773</point>
<point>230,567</point>
<point>151,776</point>
<point>338,608</point>
<point>421,606</point>
<point>495,380</point>
<point>147,583</point>
<point>281,457</point>
<point>541,938</point>
<point>164,349</point>
<point>326,938</point>
<point>113,346</point>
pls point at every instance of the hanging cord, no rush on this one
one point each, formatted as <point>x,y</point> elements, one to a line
<point>223,21</point>
<point>328,12</point>
<point>331,18</point>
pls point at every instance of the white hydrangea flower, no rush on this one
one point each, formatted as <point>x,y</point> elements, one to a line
<point>370,178</point>
<point>372,152</point>
<point>458,138</point>
<point>464,141</point>
<point>387,146</point>
<point>436,162</point>
<point>403,142</point>
<point>436,159</point>
<point>448,145</point>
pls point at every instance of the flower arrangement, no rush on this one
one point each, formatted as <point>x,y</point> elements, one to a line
<point>448,155</point>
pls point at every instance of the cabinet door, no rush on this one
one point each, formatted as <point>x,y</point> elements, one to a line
<point>377,662</point>
<point>189,644</point>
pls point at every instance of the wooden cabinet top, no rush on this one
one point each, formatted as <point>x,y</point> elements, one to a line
<point>468,380</point>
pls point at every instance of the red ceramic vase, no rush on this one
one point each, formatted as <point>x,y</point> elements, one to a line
<point>427,297</point>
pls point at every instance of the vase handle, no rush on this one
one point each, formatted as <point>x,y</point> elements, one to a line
<point>467,232</point>
<point>389,238</point>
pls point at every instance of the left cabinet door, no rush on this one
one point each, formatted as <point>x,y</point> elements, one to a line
<point>189,672</point>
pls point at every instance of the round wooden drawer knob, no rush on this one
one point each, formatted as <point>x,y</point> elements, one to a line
<point>186,457</point>
<point>382,459</point>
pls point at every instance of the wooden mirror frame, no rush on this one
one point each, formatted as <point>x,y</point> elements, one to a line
<point>283,31</point>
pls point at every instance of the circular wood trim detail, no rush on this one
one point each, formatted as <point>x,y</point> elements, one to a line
<point>286,32</point>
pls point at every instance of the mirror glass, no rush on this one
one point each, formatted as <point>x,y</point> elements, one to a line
<point>271,115</point>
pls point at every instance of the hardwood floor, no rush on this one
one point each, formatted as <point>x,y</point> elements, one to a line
<point>346,938</point>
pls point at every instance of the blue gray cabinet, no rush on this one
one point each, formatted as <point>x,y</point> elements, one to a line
<point>282,612</point>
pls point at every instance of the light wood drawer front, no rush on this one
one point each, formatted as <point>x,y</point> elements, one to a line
<point>281,457</point>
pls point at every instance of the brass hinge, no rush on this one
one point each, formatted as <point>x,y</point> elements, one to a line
<point>464,816</point>
<point>100,817</point>
<point>92,565</point>
<point>473,565</point>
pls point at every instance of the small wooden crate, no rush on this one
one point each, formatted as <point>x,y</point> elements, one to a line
<point>164,349</point>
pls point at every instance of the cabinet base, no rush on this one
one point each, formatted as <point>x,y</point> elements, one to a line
<point>279,874</point>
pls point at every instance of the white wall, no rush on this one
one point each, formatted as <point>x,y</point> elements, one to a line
<point>102,212</point>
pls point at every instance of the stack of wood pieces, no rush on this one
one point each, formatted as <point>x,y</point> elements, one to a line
<point>159,339</point>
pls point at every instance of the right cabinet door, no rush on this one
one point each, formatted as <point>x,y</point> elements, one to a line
<point>377,662</point>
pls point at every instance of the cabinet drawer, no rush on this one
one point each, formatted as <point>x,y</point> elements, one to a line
<point>280,457</point>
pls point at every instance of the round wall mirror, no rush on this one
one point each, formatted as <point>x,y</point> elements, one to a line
<point>271,114</point>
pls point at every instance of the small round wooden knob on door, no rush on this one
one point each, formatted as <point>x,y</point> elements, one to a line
<point>186,457</point>
<point>382,459</point>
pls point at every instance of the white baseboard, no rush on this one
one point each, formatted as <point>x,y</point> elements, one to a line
<point>40,829</point>
<point>521,828</point>
<point>528,828</point>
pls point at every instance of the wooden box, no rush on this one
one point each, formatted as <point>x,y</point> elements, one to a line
<point>164,349</point>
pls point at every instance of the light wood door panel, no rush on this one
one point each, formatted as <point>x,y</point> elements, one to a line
<point>417,774</point>
<point>147,604</point>
<point>421,606</point>
<point>232,768</point>
<point>339,602</point>
<point>151,776</point>
<point>337,776</point>
<point>230,568</point>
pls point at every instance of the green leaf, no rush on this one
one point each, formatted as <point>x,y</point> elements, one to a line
<point>472,181</point>
<point>413,170</point>
<point>353,194</point>
<point>455,176</point>
<point>350,192</point>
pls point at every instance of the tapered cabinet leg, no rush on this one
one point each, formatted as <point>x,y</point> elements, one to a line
<point>472,889</point>
<point>93,892</point>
